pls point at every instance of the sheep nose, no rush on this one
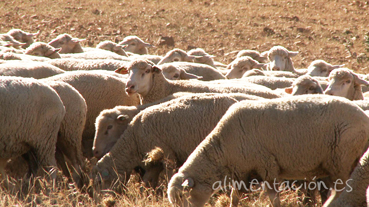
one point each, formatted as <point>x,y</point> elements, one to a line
<point>276,68</point>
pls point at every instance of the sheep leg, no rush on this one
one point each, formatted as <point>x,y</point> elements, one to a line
<point>33,164</point>
<point>2,166</point>
<point>274,197</point>
<point>235,197</point>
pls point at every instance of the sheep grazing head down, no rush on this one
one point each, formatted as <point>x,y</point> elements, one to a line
<point>176,55</point>
<point>280,59</point>
<point>304,85</point>
<point>42,49</point>
<point>345,83</point>
<point>242,64</point>
<point>135,45</point>
<point>321,68</point>
<point>172,72</point>
<point>140,76</point>
<point>67,44</point>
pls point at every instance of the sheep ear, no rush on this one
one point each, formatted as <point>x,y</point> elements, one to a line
<point>337,66</point>
<point>121,118</point>
<point>33,34</point>
<point>122,70</point>
<point>188,183</point>
<point>359,81</point>
<point>288,90</point>
<point>148,45</point>
<point>185,76</point>
<point>155,69</point>
<point>292,53</point>
<point>50,52</point>
<point>76,40</point>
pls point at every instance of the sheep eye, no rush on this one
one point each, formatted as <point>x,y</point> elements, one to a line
<point>147,71</point>
<point>311,88</point>
<point>175,59</point>
<point>61,42</point>
<point>324,70</point>
<point>176,76</point>
<point>133,44</point>
<point>110,126</point>
<point>348,81</point>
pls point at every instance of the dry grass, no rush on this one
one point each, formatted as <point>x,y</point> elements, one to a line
<point>336,31</point>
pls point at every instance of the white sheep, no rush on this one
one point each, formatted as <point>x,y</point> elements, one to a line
<point>280,60</point>
<point>23,36</point>
<point>111,46</point>
<point>321,68</point>
<point>202,57</point>
<point>119,117</point>
<point>176,126</point>
<point>67,44</point>
<point>100,91</point>
<point>304,84</point>
<point>240,65</point>
<point>43,50</point>
<point>7,40</point>
<point>354,193</point>
<point>252,138</point>
<point>254,54</point>
<point>25,57</point>
<point>28,69</point>
<point>176,55</point>
<point>135,45</point>
<point>148,80</point>
<point>270,82</point>
<point>32,114</point>
<point>187,70</point>
<point>95,54</point>
<point>69,64</point>
<point>345,83</point>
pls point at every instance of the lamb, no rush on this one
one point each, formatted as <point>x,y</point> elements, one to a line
<point>148,80</point>
<point>354,194</point>
<point>149,129</point>
<point>42,49</point>
<point>67,44</point>
<point>23,36</point>
<point>176,55</point>
<point>254,54</point>
<point>240,65</point>
<point>280,60</point>
<point>305,84</point>
<point>345,83</point>
<point>248,140</point>
<point>34,113</point>
<point>321,68</point>
<point>186,70</point>
<point>69,64</point>
<point>119,117</point>
<point>270,82</point>
<point>111,46</point>
<point>100,91</point>
<point>135,45</point>
<point>32,69</point>
<point>95,54</point>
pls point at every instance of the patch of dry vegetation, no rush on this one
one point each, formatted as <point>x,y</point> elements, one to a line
<point>334,30</point>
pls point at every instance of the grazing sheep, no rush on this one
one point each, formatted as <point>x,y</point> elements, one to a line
<point>148,80</point>
<point>8,40</point>
<point>254,54</point>
<point>186,70</point>
<point>28,69</point>
<point>190,118</point>
<point>240,65</point>
<point>202,57</point>
<point>23,36</point>
<point>321,68</point>
<point>67,44</point>
<point>252,138</point>
<point>119,117</point>
<point>100,91</point>
<point>345,83</point>
<point>111,46</point>
<point>280,60</point>
<point>43,50</point>
<point>176,55</point>
<point>135,45</point>
<point>270,82</point>
<point>95,54</point>
<point>354,193</point>
<point>304,84</point>
<point>32,114</point>
<point>69,64</point>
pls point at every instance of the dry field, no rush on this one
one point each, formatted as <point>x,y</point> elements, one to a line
<point>334,30</point>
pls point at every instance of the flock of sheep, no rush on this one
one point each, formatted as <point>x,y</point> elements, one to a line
<point>182,114</point>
